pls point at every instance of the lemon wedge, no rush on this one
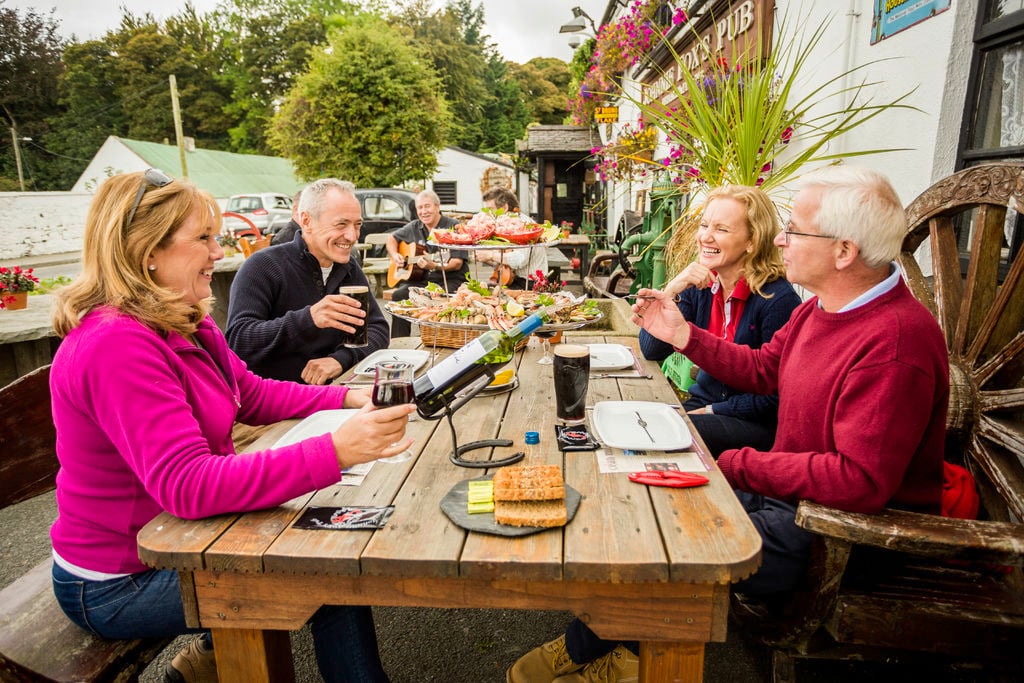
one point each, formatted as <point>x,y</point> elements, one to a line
<point>551,233</point>
<point>514,309</point>
<point>503,377</point>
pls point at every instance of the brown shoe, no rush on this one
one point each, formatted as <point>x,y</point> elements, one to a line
<point>194,664</point>
<point>618,666</point>
<point>543,664</point>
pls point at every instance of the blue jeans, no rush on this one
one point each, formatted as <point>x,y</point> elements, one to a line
<point>148,605</point>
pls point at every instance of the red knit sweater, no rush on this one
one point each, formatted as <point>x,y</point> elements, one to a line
<point>862,405</point>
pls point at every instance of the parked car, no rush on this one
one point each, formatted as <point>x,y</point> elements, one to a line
<point>268,211</point>
<point>385,209</point>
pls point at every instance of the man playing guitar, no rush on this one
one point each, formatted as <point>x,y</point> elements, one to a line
<point>449,271</point>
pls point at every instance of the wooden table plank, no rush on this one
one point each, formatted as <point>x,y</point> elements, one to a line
<point>537,556</point>
<point>637,563</point>
<point>658,611</point>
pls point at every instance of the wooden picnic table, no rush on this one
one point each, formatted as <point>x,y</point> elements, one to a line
<point>636,563</point>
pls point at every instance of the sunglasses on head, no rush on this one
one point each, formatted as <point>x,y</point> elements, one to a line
<point>154,177</point>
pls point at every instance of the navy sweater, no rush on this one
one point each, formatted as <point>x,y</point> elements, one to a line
<point>761,318</point>
<point>269,324</point>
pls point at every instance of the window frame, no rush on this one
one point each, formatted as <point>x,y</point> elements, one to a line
<point>988,37</point>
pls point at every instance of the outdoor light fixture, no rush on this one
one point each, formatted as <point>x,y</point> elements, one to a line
<point>578,23</point>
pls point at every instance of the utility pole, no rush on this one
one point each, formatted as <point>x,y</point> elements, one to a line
<point>177,125</point>
<point>17,157</point>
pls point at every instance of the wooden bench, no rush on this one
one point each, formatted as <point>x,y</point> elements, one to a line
<point>37,641</point>
<point>904,585</point>
<point>376,270</point>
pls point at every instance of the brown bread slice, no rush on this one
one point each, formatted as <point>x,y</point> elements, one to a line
<point>529,482</point>
<point>543,513</point>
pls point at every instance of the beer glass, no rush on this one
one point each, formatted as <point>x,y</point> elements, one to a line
<point>571,370</point>
<point>361,293</point>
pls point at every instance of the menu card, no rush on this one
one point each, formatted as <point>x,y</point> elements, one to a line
<point>617,461</point>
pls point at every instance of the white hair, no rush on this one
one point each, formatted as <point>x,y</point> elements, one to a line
<point>312,200</point>
<point>860,205</point>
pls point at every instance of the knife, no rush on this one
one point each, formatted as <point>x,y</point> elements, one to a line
<point>619,375</point>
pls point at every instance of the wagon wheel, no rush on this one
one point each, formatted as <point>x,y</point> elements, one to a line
<point>976,292</point>
<point>629,224</point>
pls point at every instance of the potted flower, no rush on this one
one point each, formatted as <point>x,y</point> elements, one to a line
<point>15,284</point>
<point>540,283</point>
<point>228,242</point>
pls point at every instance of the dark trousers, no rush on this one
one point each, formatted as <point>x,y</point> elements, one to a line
<point>722,432</point>
<point>784,551</point>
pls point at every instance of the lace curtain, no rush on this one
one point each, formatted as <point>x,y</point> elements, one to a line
<point>1011,120</point>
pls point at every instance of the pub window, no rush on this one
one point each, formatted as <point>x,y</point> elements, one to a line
<point>446,191</point>
<point>994,118</point>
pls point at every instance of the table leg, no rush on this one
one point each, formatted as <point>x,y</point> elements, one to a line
<point>250,656</point>
<point>675,662</point>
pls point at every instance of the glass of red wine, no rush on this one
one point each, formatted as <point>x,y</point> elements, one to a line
<point>393,387</point>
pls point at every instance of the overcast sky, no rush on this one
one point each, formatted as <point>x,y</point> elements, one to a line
<point>522,29</point>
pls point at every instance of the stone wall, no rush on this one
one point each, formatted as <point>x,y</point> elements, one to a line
<point>41,223</point>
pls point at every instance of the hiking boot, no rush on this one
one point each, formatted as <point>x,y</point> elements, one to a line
<point>543,664</point>
<point>618,666</point>
<point>194,664</point>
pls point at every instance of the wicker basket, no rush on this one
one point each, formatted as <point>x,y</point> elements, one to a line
<point>451,338</point>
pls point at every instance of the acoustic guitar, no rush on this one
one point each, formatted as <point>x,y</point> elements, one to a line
<point>409,271</point>
<point>502,275</point>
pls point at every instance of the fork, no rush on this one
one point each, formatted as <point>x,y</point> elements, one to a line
<point>643,423</point>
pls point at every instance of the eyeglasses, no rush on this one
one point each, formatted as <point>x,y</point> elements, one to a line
<point>787,233</point>
<point>154,177</point>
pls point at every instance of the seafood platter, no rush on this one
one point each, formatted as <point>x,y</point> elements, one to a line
<point>491,229</point>
<point>475,306</point>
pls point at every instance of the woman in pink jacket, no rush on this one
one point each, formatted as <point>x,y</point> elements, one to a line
<point>145,394</point>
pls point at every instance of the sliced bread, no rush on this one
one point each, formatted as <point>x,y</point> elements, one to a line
<point>543,513</point>
<point>529,482</point>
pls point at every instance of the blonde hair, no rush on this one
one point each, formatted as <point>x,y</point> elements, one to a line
<point>114,255</point>
<point>764,263</point>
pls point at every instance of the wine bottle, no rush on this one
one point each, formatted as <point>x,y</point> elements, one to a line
<point>492,349</point>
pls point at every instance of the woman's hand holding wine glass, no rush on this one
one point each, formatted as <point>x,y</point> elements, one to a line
<point>393,387</point>
<point>371,434</point>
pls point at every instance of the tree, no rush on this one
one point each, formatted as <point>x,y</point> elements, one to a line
<point>268,44</point>
<point>30,52</point>
<point>444,38</point>
<point>506,113</point>
<point>544,82</point>
<point>369,110</point>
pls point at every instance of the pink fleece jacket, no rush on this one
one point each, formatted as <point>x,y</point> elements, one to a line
<point>144,425</point>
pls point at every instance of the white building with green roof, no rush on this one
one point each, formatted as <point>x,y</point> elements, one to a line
<point>222,174</point>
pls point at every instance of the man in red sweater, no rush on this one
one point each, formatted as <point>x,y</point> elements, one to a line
<point>861,371</point>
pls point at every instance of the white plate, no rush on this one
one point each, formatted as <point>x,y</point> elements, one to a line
<point>610,357</point>
<point>616,425</point>
<point>322,422</point>
<point>415,356</point>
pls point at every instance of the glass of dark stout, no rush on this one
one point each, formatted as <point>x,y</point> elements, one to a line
<point>393,387</point>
